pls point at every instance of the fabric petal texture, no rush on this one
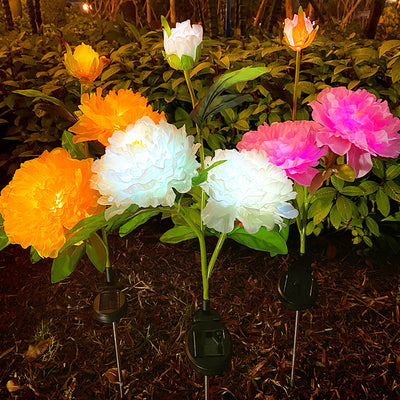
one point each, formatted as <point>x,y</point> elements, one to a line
<point>291,145</point>
<point>84,63</point>
<point>47,197</point>
<point>356,124</point>
<point>183,40</point>
<point>248,188</point>
<point>145,165</point>
<point>102,116</point>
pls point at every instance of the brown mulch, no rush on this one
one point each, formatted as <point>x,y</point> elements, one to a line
<point>348,344</point>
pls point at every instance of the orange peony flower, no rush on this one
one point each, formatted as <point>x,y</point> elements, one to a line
<point>47,197</point>
<point>299,32</point>
<point>84,64</point>
<point>103,116</point>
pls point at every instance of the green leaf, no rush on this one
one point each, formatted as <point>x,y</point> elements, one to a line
<point>66,263</point>
<point>34,255</point>
<point>372,226</point>
<point>345,172</point>
<point>178,234</point>
<point>319,210</point>
<point>4,242</point>
<point>325,193</point>
<point>85,227</point>
<point>76,150</point>
<point>139,219</point>
<point>203,108</point>
<point>337,182</point>
<point>38,94</point>
<point>352,191</point>
<point>227,101</point>
<point>110,71</point>
<point>378,168</point>
<point>393,171</point>
<point>367,240</point>
<point>264,240</point>
<point>382,202</point>
<point>369,187</point>
<point>388,45</point>
<point>97,252</point>
<point>335,217</point>
<point>187,62</point>
<point>202,176</point>
<point>392,189</point>
<point>395,71</point>
<point>165,25</point>
<point>363,207</point>
<point>345,207</point>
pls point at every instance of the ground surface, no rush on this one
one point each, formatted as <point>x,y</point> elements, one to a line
<point>348,345</point>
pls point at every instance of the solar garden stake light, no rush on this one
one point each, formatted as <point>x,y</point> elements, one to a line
<point>298,290</point>
<point>109,307</point>
<point>208,344</point>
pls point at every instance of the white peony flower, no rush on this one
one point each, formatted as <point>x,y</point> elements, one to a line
<point>144,165</point>
<point>182,45</point>
<point>246,187</point>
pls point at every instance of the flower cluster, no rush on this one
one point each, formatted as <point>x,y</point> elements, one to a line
<point>299,32</point>
<point>248,188</point>
<point>144,164</point>
<point>102,116</point>
<point>182,45</point>
<point>356,124</point>
<point>291,145</point>
<point>84,63</point>
<point>46,198</point>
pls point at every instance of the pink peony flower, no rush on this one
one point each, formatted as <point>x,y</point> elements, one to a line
<point>357,124</point>
<point>290,145</point>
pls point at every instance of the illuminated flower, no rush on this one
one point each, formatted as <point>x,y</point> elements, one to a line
<point>357,124</point>
<point>182,45</point>
<point>45,199</point>
<point>248,188</point>
<point>84,64</point>
<point>290,145</point>
<point>144,165</point>
<point>299,32</point>
<point>102,116</point>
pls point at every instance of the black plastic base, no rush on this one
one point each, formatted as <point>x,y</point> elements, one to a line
<point>110,305</point>
<point>297,288</point>
<point>208,343</point>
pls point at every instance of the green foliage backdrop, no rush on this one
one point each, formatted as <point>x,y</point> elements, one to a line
<point>369,207</point>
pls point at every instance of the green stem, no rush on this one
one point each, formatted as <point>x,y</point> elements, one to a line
<point>303,216</point>
<point>296,83</point>
<point>203,251</point>
<point>193,98</point>
<point>215,253</point>
<point>199,140</point>
<point>105,241</point>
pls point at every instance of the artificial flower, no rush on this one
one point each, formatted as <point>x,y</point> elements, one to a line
<point>182,45</point>
<point>102,116</point>
<point>290,145</point>
<point>299,32</point>
<point>47,197</point>
<point>355,123</point>
<point>144,165</point>
<point>84,64</point>
<point>248,188</point>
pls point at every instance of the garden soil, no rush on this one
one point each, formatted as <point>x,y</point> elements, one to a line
<point>348,344</point>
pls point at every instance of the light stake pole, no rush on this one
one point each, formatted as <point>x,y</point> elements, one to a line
<point>294,348</point>
<point>109,307</point>
<point>114,325</point>
<point>298,290</point>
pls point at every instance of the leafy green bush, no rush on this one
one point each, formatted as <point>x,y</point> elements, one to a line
<point>365,207</point>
